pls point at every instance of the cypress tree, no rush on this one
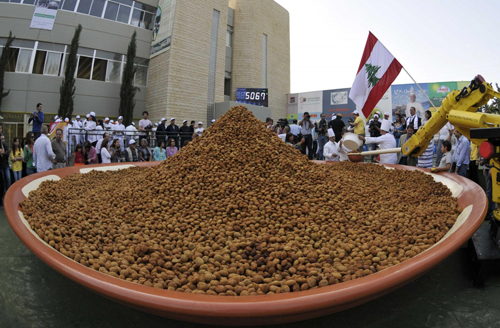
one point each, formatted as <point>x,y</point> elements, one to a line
<point>68,87</point>
<point>128,90</point>
<point>4,60</point>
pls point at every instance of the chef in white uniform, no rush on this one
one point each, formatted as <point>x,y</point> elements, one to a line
<point>107,124</point>
<point>330,150</point>
<point>119,131</point>
<point>385,141</point>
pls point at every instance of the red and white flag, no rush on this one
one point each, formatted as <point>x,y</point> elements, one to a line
<point>377,70</point>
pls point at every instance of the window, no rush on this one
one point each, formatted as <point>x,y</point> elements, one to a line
<point>99,71</point>
<point>29,2</point>
<point>69,5</point>
<point>84,6</point>
<point>84,67</point>
<point>111,11</point>
<point>97,7</point>
<point>23,61</point>
<point>39,62</point>
<point>141,76</point>
<point>52,63</point>
<point>113,72</point>
<point>123,14</point>
<point>11,66</point>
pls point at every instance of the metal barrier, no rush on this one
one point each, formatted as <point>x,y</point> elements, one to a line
<point>79,136</point>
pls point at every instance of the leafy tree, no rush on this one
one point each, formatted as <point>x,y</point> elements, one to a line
<point>4,60</point>
<point>493,106</point>
<point>68,87</point>
<point>128,90</point>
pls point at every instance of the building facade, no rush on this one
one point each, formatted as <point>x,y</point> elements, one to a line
<point>202,51</point>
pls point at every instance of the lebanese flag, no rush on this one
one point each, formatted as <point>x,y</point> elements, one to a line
<point>377,70</point>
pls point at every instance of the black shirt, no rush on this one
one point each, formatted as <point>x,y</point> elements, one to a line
<point>373,131</point>
<point>337,125</point>
<point>172,130</point>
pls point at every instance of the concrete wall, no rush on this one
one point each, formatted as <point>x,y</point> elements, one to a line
<point>97,33</point>
<point>185,76</point>
<point>252,19</point>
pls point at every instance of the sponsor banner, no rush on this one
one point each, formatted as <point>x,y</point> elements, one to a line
<point>53,128</point>
<point>438,91</point>
<point>338,102</point>
<point>45,14</point>
<point>405,96</point>
<point>292,107</point>
<point>162,27</point>
<point>311,102</point>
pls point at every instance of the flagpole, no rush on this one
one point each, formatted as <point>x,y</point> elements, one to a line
<point>421,89</point>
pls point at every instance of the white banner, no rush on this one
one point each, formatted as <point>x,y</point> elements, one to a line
<point>45,14</point>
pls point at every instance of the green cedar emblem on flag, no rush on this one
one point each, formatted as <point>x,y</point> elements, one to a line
<point>372,71</point>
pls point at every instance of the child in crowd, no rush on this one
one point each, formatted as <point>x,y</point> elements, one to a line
<point>78,157</point>
<point>446,159</point>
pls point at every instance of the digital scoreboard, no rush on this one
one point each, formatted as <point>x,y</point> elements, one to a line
<point>252,96</point>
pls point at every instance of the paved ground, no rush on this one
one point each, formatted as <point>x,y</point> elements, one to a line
<point>34,295</point>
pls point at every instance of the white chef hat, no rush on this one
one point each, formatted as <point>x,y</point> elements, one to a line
<point>213,121</point>
<point>412,91</point>
<point>356,112</point>
<point>106,119</point>
<point>331,134</point>
<point>184,121</point>
<point>92,114</point>
<point>386,114</point>
<point>156,124</point>
<point>120,118</point>
<point>375,116</point>
<point>77,116</point>
<point>66,119</point>
<point>132,141</point>
<point>163,119</point>
<point>200,122</point>
<point>133,123</point>
<point>386,125</point>
<point>172,118</point>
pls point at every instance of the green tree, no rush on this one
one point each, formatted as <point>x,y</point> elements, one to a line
<point>68,87</point>
<point>371,71</point>
<point>4,60</point>
<point>128,90</point>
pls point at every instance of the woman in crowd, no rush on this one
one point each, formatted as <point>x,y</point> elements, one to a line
<point>291,141</point>
<point>115,151</point>
<point>16,157</point>
<point>427,116</point>
<point>105,155</point>
<point>171,149</point>
<point>78,156</point>
<point>144,151</point>
<point>159,153</point>
<point>399,128</point>
<point>28,153</point>
<point>89,154</point>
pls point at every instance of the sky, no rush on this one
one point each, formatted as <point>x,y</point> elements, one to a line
<point>435,41</point>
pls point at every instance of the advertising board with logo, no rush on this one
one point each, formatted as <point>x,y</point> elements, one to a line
<point>438,91</point>
<point>338,102</point>
<point>311,102</point>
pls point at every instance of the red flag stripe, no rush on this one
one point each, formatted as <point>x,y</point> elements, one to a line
<point>381,87</point>
<point>370,43</point>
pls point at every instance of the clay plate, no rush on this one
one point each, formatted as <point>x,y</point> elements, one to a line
<point>250,310</point>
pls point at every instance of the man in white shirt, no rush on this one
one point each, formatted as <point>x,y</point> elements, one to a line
<point>43,156</point>
<point>200,129</point>
<point>107,124</point>
<point>386,117</point>
<point>118,131</point>
<point>145,126</point>
<point>414,120</point>
<point>130,133</point>
<point>444,134</point>
<point>330,150</point>
<point>385,141</point>
<point>294,128</point>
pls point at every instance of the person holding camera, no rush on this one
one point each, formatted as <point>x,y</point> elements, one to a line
<point>306,130</point>
<point>37,118</point>
<point>145,126</point>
